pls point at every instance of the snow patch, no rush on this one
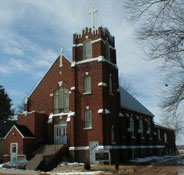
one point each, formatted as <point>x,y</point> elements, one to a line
<point>78,172</point>
<point>63,164</point>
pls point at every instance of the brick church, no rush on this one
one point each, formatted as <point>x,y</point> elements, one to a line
<point>80,103</point>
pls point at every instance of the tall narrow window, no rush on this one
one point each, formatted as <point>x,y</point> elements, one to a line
<point>112,134</point>
<point>141,126</point>
<point>159,134</point>
<point>165,137</point>
<point>87,49</point>
<point>110,84</point>
<point>149,127</point>
<point>107,50</point>
<point>88,118</point>
<point>132,125</point>
<point>61,100</point>
<point>87,84</point>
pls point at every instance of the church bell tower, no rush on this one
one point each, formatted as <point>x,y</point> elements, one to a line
<point>97,84</point>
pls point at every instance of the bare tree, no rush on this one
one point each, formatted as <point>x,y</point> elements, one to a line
<point>127,85</point>
<point>175,121</point>
<point>160,28</point>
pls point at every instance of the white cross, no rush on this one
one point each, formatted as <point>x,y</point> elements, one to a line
<point>92,12</point>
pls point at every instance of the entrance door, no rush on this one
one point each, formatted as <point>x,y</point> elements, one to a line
<point>14,152</point>
<point>60,134</point>
<point>92,150</point>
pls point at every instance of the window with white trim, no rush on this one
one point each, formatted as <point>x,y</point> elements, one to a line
<point>61,100</point>
<point>14,148</point>
<point>110,84</point>
<point>132,125</point>
<point>87,49</point>
<point>87,84</point>
<point>88,118</point>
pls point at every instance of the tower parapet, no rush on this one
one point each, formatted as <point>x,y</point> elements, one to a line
<point>102,44</point>
<point>88,33</point>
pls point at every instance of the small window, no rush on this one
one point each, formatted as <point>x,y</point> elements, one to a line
<point>14,148</point>
<point>132,125</point>
<point>88,118</point>
<point>87,49</point>
<point>87,84</point>
<point>110,84</point>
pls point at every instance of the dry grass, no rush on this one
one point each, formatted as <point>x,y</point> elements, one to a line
<point>107,169</point>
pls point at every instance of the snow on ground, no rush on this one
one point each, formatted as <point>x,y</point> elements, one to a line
<point>153,158</point>
<point>78,172</point>
<point>63,164</point>
<point>1,165</point>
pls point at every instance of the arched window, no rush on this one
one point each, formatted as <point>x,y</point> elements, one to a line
<point>141,126</point>
<point>112,134</point>
<point>107,51</point>
<point>149,127</point>
<point>165,137</point>
<point>87,84</point>
<point>88,118</point>
<point>87,49</point>
<point>61,100</point>
<point>110,84</point>
<point>132,125</point>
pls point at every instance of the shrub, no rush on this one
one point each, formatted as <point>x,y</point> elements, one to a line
<point>87,166</point>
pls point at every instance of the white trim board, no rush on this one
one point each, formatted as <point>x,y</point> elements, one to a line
<point>103,147</point>
<point>99,59</point>
<point>93,41</point>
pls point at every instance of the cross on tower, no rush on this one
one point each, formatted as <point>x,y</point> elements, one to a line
<point>92,13</point>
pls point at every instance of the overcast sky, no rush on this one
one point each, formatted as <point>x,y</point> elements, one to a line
<point>32,32</point>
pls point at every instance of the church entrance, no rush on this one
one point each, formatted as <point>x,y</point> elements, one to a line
<point>60,132</point>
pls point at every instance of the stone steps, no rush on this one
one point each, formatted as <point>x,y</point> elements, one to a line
<point>45,150</point>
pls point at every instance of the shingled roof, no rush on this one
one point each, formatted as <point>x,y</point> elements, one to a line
<point>23,130</point>
<point>131,103</point>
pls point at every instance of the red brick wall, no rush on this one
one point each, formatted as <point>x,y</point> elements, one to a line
<point>111,102</point>
<point>94,101</point>
<point>36,122</point>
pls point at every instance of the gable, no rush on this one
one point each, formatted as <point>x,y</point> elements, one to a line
<point>22,130</point>
<point>59,61</point>
<point>60,73</point>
